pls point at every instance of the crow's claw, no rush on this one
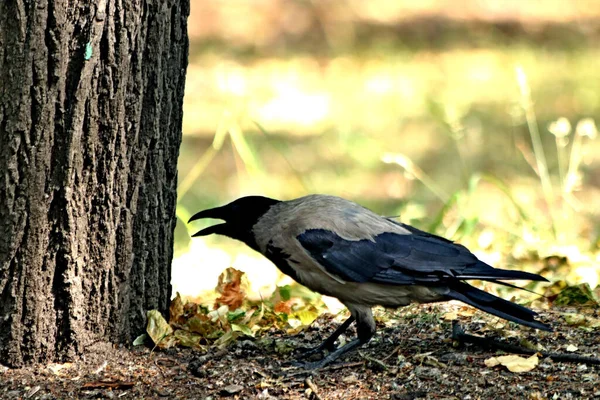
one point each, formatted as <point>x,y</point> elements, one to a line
<point>320,349</point>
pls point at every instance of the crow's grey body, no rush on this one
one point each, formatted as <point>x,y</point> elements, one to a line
<point>341,249</point>
<point>281,226</point>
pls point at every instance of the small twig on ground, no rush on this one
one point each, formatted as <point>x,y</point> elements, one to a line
<point>459,335</point>
<point>396,350</point>
<point>165,362</point>
<point>108,384</point>
<point>379,363</point>
<point>309,382</point>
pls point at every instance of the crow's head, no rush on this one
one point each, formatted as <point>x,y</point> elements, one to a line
<point>239,216</point>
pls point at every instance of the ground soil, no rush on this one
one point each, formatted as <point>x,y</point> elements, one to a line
<point>413,356</point>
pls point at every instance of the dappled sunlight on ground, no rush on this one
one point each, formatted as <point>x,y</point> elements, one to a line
<point>196,272</point>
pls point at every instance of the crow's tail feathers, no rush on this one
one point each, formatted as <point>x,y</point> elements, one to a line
<point>495,305</point>
<point>484,272</point>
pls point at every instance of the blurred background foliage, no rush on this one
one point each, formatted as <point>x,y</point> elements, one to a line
<point>475,120</point>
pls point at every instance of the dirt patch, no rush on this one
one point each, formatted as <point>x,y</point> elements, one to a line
<point>412,357</point>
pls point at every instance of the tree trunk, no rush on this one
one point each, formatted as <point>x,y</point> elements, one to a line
<point>91,100</point>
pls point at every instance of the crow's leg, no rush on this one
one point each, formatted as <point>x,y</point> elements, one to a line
<point>365,327</point>
<point>331,357</point>
<point>329,343</point>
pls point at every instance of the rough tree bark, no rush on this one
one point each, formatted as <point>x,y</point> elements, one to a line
<point>91,100</point>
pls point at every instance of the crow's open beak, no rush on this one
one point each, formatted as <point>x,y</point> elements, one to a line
<point>215,213</point>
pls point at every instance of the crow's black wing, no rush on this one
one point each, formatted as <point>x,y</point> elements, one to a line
<point>401,259</point>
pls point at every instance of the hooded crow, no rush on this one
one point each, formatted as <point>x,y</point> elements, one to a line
<point>341,249</point>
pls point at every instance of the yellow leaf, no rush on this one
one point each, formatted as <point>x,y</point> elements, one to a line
<point>466,312</point>
<point>450,316</point>
<point>307,316</point>
<point>158,329</point>
<point>492,362</point>
<point>513,362</point>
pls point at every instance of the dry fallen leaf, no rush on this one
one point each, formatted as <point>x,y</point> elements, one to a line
<point>581,320</point>
<point>580,294</point>
<point>200,324</point>
<point>283,307</point>
<point>188,339</point>
<point>230,288</point>
<point>243,329</point>
<point>58,368</point>
<point>176,310</point>
<point>466,311</point>
<point>450,316</point>
<point>571,348</point>
<point>307,315</point>
<point>219,314</point>
<point>158,329</point>
<point>462,312</point>
<point>513,362</point>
